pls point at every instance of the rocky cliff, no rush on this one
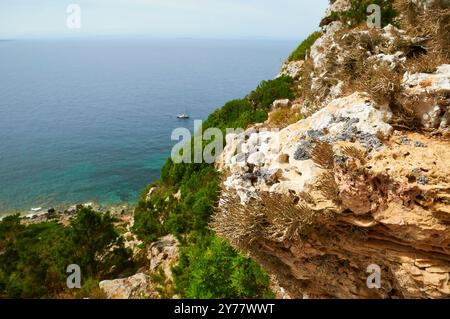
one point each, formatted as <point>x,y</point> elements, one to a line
<point>363,180</point>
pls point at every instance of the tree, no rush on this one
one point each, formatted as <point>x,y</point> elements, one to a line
<point>95,241</point>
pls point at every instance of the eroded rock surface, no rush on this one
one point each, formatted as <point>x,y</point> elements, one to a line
<point>281,161</point>
<point>138,286</point>
<point>362,182</point>
<point>431,96</point>
<point>162,255</point>
<point>388,194</point>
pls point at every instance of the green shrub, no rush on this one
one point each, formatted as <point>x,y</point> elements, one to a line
<point>304,47</point>
<point>90,289</point>
<point>34,258</point>
<point>268,91</point>
<point>92,235</point>
<point>235,114</point>
<point>199,191</point>
<point>210,268</point>
<point>147,215</point>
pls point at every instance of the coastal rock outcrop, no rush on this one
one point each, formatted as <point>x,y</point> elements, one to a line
<point>365,194</point>
<point>282,161</point>
<point>150,281</point>
<point>336,7</point>
<point>281,103</point>
<point>292,69</point>
<point>431,96</point>
<point>360,185</point>
<point>163,254</point>
<point>138,286</point>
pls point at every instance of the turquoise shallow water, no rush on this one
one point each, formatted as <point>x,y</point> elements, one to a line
<point>90,120</point>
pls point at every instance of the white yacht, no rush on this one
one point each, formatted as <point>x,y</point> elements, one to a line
<point>182,116</point>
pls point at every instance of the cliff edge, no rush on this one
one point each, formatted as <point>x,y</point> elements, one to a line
<point>361,184</point>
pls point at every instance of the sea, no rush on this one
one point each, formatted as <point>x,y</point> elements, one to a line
<point>90,120</point>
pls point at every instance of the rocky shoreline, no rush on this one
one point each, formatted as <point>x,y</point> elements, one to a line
<point>63,215</point>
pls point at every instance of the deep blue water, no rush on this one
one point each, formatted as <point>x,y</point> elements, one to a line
<point>90,120</point>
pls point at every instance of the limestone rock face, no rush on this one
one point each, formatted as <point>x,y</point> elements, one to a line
<point>420,83</point>
<point>385,195</point>
<point>135,287</point>
<point>292,69</point>
<point>328,55</point>
<point>361,185</point>
<point>162,255</point>
<point>323,45</point>
<point>257,165</point>
<point>281,103</point>
<point>150,193</point>
<point>337,6</point>
<point>431,94</point>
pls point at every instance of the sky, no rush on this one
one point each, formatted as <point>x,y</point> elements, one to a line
<point>274,19</point>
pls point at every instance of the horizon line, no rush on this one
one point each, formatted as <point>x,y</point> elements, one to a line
<point>175,37</point>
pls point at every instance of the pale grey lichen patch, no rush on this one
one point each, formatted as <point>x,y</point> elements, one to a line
<point>351,134</point>
<point>315,134</point>
<point>404,140</point>
<point>303,151</point>
<point>370,141</point>
<point>348,120</point>
<point>419,144</point>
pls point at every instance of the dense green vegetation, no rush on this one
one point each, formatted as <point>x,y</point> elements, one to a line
<point>208,267</point>
<point>358,12</point>
<point>269,91</point>
<point>34,258</point>
<point>304,47</point>
<point>236,113</point>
